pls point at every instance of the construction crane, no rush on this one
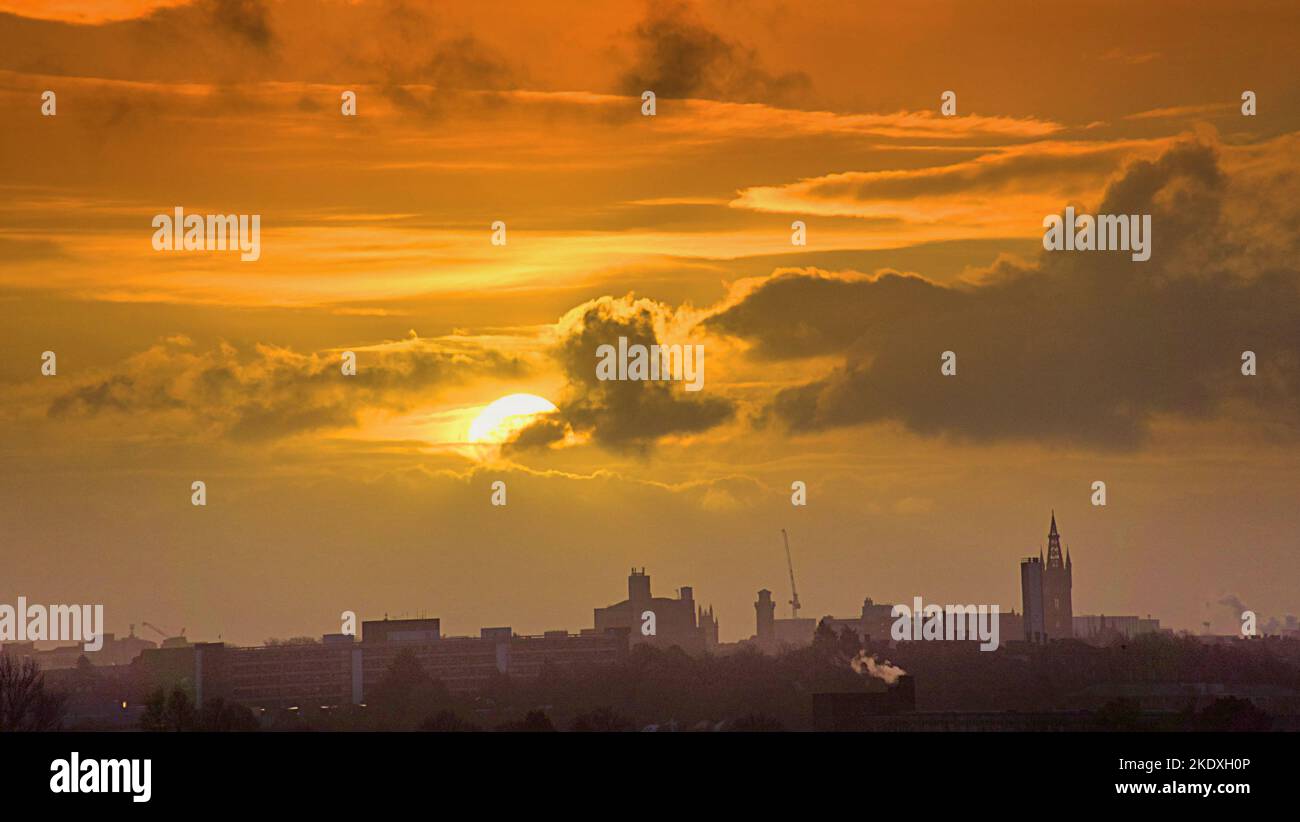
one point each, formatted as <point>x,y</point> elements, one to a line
<point>160,631</point>
<point>794,592</point>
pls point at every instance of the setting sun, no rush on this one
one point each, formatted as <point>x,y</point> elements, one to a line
<point>502,418</point>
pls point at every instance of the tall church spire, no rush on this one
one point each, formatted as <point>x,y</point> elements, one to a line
<point>1054,558</point>
<point>1056,583</point>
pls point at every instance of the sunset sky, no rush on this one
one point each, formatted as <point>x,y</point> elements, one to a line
<point>329,493</point>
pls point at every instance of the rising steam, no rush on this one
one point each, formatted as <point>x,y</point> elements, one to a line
<point>867,665</point>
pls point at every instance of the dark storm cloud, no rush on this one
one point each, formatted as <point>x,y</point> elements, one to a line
<point>622,415</point>
<point>272,392</point>
<point>1084,348</point>
<point>384,44</point>
<point>246,19</point>
<point>677,57</point>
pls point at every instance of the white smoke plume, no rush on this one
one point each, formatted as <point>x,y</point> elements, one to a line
<point>867,665</point>
<point>1273,624</point>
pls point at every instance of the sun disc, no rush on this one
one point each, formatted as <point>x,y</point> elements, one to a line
<point>501,419</point>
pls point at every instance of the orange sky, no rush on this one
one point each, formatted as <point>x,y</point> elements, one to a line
<point>329,493</point>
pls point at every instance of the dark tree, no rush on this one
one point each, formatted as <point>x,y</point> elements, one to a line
<point>532,721</point>
<point>169,712</point>
<point>25,704</point>
<point>447,722</point>
<point>1120,715</point>
<point>602,720</point>
<point>757,722</point>
<point>407,692</point>
<point>219,715</point>
<point>825,642</point>
<point>180,713</point>
<point>154,706</point>
<point>1230,713</point>
<point>849,643</point>
<point>87,678</point>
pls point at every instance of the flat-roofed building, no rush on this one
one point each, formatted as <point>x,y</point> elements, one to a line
<point>340,671</point>
<point>1100,629</point>
<point>400,630</point>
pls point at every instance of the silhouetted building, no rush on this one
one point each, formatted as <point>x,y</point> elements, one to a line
<point>114,651</point>
<point>876,623</point>
<point>765,611</point>
<point>340,672</point>
<point>1031,595</point>
<point>395,630</point>
<point>1011,626</point>
<point>708,627</point>
<point>852,710</point>
<point>100,698</point>
<point>795,633</point>
<point>772,634</point>
<point>873,624</point>
<point>673,620</point>
<point>1045,588</point>
<point>526,655</point>
<point>894,710</point>
<point>1102,629</point>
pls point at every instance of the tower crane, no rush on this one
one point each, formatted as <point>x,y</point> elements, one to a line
<point>794,592</point>
<point>160,631</point>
